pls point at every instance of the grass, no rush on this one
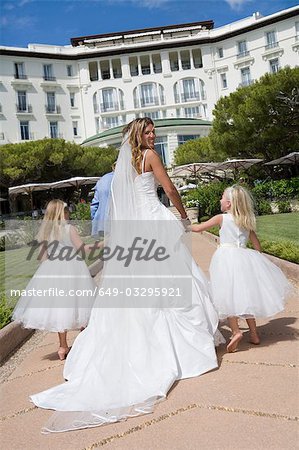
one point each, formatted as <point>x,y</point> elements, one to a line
<point>279,227</point>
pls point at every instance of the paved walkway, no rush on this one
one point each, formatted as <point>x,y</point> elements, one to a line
<point>250,402</point>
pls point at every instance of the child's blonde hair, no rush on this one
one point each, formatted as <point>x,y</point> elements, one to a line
<point>242,208</point>
<point>53,221</point>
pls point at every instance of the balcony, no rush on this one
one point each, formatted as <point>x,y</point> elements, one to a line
<point>49,78</point>
<point>113,106</point>
<point>145,70</point>
<point>243,54</point>
<point>271,45</point>
<point>20,76</point>
<point>23,109</point>
<point>52,109</point>
<point>186,65</point>
<point>246,83</point>
<point>187,97</point>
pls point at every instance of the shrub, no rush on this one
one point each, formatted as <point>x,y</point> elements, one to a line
<point>207,197</point>
<point>284,207</point>
<point>263,207</point>
<point>282,249</point>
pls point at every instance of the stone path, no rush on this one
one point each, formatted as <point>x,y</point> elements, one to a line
<point>250,402</point>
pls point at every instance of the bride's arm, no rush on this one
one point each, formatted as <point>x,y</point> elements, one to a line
<point>170,190</point>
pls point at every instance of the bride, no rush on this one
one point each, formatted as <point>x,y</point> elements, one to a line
<point>137,345</point>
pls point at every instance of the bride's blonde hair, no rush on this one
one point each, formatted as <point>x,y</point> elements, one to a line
<point>53,221</point>
<point>135,130</point>
<point>242,207</point>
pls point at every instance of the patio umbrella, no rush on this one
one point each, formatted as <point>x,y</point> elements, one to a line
<point>75,181</point>
<point>235,164</point>
<point>28,189</point>
<point>188,187</point>
<point>192,170</point>
<point>291,158</point>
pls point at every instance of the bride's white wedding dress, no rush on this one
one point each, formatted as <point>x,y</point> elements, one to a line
<point>127,359</point>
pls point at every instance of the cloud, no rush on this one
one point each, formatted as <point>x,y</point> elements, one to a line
<point>237,4</point>
<point>8,6</point>
<point>18,23</point>
<point>149,4</point>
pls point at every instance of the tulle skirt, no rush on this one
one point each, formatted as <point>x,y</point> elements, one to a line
<point>59,297</point>
<point>246,284</point>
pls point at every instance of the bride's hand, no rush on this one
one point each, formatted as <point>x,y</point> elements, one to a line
<point>186,223</point>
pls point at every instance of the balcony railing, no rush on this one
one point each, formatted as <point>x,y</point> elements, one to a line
<point>149,101</point>
<point>20,76</point>
<point>24,108</point>
<point>49,78</point>
<point>113,106</point>
<point>52,109</point>
<point>246,83</point>
<point>271,45</point>
<point>117,74</point>
<point>106,75</point>
<point>186,65</point>
<point>243,54</point>
<point>145,70</point>
<point>187,97</point>
<point>174,66</point>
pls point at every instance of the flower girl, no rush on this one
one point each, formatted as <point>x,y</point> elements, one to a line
<point>244,282</point>
<point>60,295</point>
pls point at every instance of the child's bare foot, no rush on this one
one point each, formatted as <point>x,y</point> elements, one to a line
<point>254,338</point>
<point>62,352</point>
<point>234,342</point>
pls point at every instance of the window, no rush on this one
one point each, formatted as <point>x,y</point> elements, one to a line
<point>147,94</point>
<point>24,128</point>
<point>133,61</point>
<point>22,101</point>
<point>161,147</point>
<point>48,73</point>
<point>110,122</point>
<point>220,52</point>
<point>93,71</point>
<point>242,48</point>
<point>105,69</point>
<point>75,128</point>
<point>245,76</point>
<point>72,99</point>
<point>51,103</point>
<point>197,58</point>
<point>174,61</point>
<point>108,99</point>
<point>274,65</point>
<point>157,65</point>
<point>182,138</point>
<point>69,70</point>
<point>271,40</point>
<point>152,114</point>
<point>116,68</point>
<point>20,71</point>
<point>145,64</point>
<point>185,58</point>
<point>192,112</point>
<point>297,30</point>
<point>223,80</point>
<point>53,130</point>
<point>189,91</point>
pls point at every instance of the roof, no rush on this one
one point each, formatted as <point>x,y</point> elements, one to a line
<point>208,24</point>
<point>159,123</point>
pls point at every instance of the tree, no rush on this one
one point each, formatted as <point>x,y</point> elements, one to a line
<point>260,120</point>
<point>196,150</point>
<point>49,160</point>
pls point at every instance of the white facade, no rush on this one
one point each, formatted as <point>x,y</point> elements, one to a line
<point>104,81</point>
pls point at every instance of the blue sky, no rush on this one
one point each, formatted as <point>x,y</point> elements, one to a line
<point>56,21</point>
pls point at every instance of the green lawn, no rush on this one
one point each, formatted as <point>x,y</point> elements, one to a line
<point>279,227</point>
